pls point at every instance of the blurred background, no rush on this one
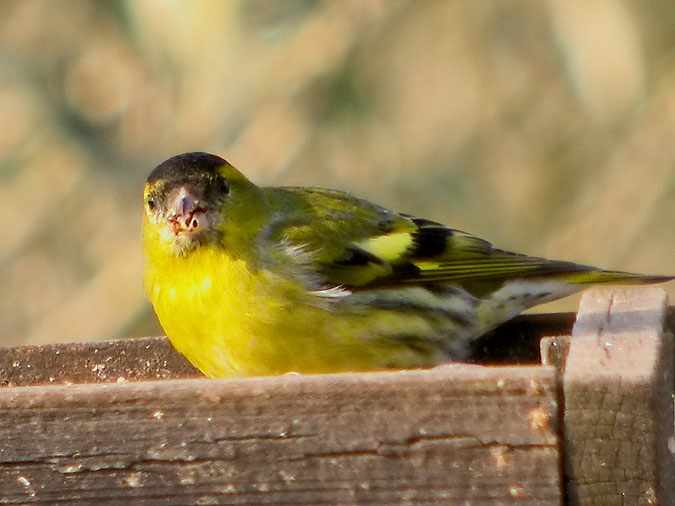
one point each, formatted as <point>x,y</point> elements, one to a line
<point>547,127</point>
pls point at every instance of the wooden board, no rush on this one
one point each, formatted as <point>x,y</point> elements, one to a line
<point>618,386</point>
<point>464,435</point>
<point>119,361</point>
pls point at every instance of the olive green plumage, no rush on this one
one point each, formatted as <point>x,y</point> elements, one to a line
<point>252,280</point>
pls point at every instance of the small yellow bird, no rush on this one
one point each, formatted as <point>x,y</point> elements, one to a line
<point>249,280</point>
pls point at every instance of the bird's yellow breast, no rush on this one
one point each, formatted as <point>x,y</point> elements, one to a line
<point>212,306</point>
<point>230,319</point>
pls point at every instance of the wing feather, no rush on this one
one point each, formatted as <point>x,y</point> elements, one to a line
<point>355,245</point>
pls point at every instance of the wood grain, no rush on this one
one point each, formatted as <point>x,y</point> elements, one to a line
<point>117,361</point>
<point>618,386</point>
<point>453,435</point>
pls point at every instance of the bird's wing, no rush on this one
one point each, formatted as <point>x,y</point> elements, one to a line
<point>351,243</point>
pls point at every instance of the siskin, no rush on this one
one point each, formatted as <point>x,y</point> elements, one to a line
<point>249,281</point>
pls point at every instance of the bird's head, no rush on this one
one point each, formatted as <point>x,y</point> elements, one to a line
<point>190,199</point>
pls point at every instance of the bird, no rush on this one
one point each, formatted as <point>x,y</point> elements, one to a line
<point>248,280</point>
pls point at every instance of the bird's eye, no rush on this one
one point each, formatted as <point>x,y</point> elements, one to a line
<point>151,204</point>
<point>223,186</point>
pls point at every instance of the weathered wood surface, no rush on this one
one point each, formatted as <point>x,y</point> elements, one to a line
<point>618,387</point>
<point>118,361</point>
<point>453,435</point>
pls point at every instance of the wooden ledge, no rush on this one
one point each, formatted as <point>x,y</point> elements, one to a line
<point>118,361</point>
<point>131,422</point>
<point>618,386</point>
<point>453,434</point>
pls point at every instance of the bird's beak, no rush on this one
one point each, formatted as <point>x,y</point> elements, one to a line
<point>186,215</point>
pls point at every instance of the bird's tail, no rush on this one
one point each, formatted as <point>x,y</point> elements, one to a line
<point>601,277</point>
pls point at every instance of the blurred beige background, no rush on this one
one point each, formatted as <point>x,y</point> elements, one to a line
<point>545,126</point>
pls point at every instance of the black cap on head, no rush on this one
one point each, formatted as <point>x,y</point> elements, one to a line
<point>186,165</point>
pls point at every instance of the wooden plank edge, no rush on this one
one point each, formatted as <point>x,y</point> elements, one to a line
<point>454,434</point>
<point>618,400</point>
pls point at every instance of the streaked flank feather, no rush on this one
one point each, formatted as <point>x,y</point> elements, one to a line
<point>256,281</point>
